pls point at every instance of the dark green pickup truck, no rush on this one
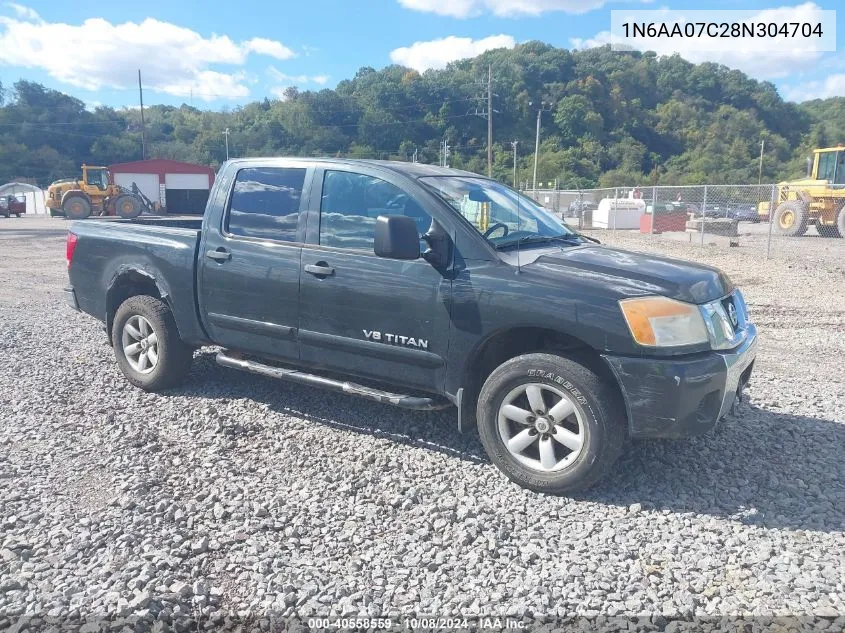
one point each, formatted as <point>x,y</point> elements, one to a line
<point>424,287</point>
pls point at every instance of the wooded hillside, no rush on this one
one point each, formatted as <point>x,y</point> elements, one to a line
<point>616,118</point>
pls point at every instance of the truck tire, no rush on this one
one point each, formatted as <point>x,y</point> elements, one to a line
<point>790,218</point>
<point>147,345</point>
<point>550,424</point>
<point>128,207</point>
<point>76,207</point>
<point>840,221</point>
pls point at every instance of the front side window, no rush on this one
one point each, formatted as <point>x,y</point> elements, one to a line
<point>98,178</point>
<point>827,166</point>
<point>265,203</point>
<point>840,169</point>
<point>503,216</point>
<point>351,203</point>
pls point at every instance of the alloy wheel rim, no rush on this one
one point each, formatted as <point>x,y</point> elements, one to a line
<point>786,219</point>
<point>140,344</point>
<point>541,427</point>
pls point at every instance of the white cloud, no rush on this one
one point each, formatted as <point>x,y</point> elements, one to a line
<point>831,86</point>
<point>751,58</point>
<point>438,53</point>
<point>286,81</point>
<point>271,48</point>
<point>470,8</point>
<point>98,54</point>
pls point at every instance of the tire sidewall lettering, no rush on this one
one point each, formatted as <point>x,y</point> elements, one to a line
<point>560,380</point>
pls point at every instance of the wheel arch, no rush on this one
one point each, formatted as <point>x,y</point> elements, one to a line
<point>507,343</point>
<point>132,282</point>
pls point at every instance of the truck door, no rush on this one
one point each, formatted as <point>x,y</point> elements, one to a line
<point>361,314</point>
<point>250,262</point>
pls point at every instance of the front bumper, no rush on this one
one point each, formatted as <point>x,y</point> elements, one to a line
<point>70,298</point>
<point>673,398</point>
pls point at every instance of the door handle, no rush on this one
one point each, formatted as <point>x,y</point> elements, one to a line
<point>221,255</point>
<point>320,269</point>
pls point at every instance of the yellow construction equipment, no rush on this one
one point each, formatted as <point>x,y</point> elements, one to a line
<point>95,194</point>
<point>817,199</point>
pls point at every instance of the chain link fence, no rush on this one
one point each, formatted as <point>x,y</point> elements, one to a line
<point>729,216</point>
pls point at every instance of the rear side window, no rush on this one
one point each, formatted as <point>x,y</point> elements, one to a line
<point>265,203</point>
<point>351,203</point>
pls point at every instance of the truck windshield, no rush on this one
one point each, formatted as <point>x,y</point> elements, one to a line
<point>503,216</point>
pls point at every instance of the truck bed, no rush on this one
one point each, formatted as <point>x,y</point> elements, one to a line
<point>172,221</point>
<point>162,250</point>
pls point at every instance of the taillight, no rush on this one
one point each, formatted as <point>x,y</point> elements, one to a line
<point>72,239</point>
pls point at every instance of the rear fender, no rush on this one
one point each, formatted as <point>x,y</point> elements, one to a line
<point>76,193</point>
<point>129,281</point>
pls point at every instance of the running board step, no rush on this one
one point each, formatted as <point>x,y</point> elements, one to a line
<point>228,359</point>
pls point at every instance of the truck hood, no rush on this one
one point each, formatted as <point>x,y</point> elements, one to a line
<point>635,274</point>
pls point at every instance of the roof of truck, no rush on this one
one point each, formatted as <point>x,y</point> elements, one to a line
<point>414,170</point>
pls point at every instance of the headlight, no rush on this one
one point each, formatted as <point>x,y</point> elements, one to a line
<point>662,322</point>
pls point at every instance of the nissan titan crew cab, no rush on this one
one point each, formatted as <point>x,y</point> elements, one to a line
<point>424,287</point>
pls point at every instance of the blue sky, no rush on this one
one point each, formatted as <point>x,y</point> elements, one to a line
<point>222,54</point>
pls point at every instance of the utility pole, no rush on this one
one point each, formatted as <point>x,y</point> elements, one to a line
<point>542,107</point>
<point>490,121</point>
<point>143,125</point>
<point>514,144</point>
<point>760,171</point>
<point>486,112</point>
<point>226,134</point>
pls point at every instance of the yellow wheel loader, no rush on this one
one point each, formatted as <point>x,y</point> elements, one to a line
<point>817,199</point>
<point>95,194</point>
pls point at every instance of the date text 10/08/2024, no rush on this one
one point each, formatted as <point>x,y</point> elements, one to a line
<point>417,623</point>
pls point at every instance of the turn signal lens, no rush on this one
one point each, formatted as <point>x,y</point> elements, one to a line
<point>662,322</point>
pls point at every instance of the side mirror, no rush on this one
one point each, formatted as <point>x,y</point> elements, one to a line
<point>397,237</point>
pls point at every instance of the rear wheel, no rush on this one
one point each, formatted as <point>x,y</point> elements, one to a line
<point>791,218</point>
<point>128,207</point>
<point>76,208</point>
<point>147,346</point>
<point>550,424</point>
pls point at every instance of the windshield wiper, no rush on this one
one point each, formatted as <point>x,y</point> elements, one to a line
<point>587,237</point>
<point>570,240</point>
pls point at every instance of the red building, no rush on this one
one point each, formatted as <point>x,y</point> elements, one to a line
<point>177,187</point>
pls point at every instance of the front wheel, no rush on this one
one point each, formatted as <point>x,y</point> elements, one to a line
<point>550,424</point>
<point>147,345</point>
<point>128,207</point>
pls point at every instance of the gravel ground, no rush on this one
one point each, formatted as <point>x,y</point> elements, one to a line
<point>241,495</point>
